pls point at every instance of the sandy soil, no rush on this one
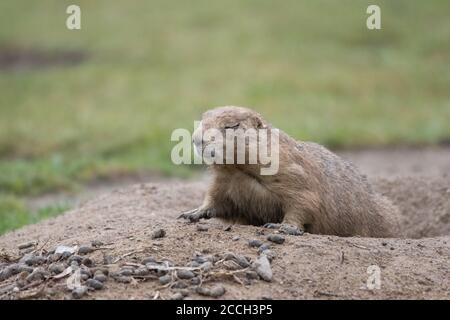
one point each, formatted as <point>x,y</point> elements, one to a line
<point>308,266</point>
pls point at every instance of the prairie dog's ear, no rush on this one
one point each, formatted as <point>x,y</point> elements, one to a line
<point>259,123</point>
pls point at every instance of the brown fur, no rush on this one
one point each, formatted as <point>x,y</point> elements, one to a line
<point>314,189</point>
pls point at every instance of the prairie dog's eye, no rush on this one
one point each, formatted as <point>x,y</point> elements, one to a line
<point>232,126</point>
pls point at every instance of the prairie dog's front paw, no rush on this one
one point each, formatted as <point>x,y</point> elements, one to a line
<point>291,229</point>
<point>285,228</point>
<point>196,214</point>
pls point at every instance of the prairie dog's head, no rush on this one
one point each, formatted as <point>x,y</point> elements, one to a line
<point>230,135</point>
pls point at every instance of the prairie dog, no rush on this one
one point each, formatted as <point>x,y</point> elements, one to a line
<point>314,190</point>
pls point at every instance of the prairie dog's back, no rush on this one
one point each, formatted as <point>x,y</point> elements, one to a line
<point>347,198</point>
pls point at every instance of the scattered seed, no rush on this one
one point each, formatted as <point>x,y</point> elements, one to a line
<point>159,233</point>
<point>276,238</point>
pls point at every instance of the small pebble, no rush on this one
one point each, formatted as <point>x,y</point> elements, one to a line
<point>269,254</point>
<point>123,279</point>
<point>185,274</point>
<point>39,273</point>
<point>264,247</point>
<point>33,260</point>
<point>87,262</point>
<point>240,260</point>
<point>94,284</point>
<point>85,250</point>
<point>165,279</point>
<point>86,271</point>
<point>214,292</point>
<point>206,266</point>
<point>290,230</point>
<point>126,272</point>
<point>262,267</point>
<point>84,277</point>
<point>100,277</point>
<point>177,296</point>
<point>79,292</point>
<point>141,271</point>
<point>76,258</point>
<point>184,292</point>
<point>54,257</point>
<point>227,228</point>
<point>26,245</point>
<point>65,249</point>
<point>99,270</point>
<point>201,227</point>
<point>235,238</point>
<point>159,233</point>
<point>25,268</point>
<point>276,238</point>
<point>252,275</point>
<point>65,255</point>
<point>255,243</point>
<point>195,281</point>
<point>96,243</point>
<point>56,268</point>
<point>179,285</point>
<point>148,260</point>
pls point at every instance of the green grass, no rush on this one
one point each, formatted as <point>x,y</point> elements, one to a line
<point>311,67</point>
<point>14,213</point>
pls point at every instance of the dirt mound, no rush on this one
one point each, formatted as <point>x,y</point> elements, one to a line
<point>424,204</point>
<point>308,266</point>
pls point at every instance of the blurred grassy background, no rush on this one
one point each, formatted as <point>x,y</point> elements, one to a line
<point>311,67</point>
